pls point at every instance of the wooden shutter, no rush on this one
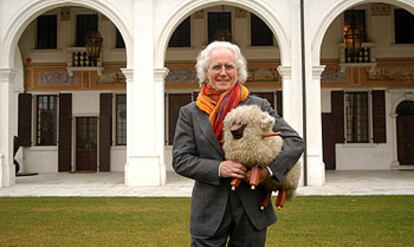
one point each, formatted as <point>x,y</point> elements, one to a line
<point>65,133</point>
<point>279,103</point>
<point>175,102</point>
<point>378,116</point>
<point>25,120</point>
<point>105,131</point>
<point>337,108</point>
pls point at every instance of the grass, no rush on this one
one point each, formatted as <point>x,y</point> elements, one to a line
<point>104,221</point>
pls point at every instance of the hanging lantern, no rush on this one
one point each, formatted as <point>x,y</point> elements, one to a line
<point>93,44</point>
<point>353,37</point>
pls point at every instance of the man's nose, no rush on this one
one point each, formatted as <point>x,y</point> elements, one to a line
<point>223,70</point>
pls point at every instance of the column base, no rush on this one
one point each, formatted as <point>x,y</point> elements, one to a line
<point>144,171</point>
<point>7,173</point>
<point>316,171</point>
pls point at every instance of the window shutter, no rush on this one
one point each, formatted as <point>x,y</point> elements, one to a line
<point>65,133</point>
<point>279,103</point>
<point>25,120</point>
<point>378,116</point>
<point>337,108</point>
<point>105,132</point>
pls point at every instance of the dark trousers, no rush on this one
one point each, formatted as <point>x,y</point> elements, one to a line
<point>236,229</point>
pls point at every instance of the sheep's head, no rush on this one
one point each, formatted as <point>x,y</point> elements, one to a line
<point>244,128</point>
<point>248,118</point>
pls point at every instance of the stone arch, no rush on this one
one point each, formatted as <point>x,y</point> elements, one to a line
<point>26,15</point>
<point>256,7</point>
<point>337,9</point>
<point>405,107</point>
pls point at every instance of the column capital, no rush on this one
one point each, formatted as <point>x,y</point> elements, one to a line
<point>317,71</point>
<point>285,71</point>
<point>160,74</point>
<point>7,75</point>
<point>129,74</point>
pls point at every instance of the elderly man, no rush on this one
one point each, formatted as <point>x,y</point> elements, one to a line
<point>219,215</point>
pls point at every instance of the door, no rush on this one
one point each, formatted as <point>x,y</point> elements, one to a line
<point>405,136</point>
<point>328,141</point>
<point>86,144</point>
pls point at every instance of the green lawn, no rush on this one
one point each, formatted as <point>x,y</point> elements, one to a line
<point>307,221</point>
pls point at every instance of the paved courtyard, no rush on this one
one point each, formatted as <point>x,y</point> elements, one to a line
<point>392,182</point>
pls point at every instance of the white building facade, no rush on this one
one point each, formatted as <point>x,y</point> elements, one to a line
<point>118,112</point>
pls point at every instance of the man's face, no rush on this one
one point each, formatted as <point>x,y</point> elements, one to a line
<point>222,72</point>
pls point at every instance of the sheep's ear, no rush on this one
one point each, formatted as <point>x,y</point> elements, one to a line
<point>266,122</point>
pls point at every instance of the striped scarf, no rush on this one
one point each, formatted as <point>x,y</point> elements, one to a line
<point>217,105</point>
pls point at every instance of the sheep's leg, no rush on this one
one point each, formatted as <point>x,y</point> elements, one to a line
<point>255,177</point>
<point>235,182</point>
<point>280,200</point>
<point>265,200</point>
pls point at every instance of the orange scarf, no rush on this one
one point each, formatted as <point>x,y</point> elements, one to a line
<point>217,105</point>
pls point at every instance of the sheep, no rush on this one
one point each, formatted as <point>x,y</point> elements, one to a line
<point>250,140</point>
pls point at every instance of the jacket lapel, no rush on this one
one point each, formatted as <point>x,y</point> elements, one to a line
<point>207,130</point>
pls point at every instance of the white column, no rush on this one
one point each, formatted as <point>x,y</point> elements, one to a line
<point>159,76</point>
<point>292,102</point>
<point>316,167</point>
<point>7,177</point>
<point>143,167</point>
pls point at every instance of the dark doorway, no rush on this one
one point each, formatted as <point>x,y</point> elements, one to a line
<point>328,141</point>
<point>86,144</point>
<point>405,132</point>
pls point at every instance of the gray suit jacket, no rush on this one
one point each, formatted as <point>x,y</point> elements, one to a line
<point>197,155</point>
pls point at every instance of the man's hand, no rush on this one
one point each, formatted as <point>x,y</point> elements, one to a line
<point>232,169</point>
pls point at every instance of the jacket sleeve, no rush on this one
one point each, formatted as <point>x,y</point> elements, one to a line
<point>186,157</point>
<point>293,145</point>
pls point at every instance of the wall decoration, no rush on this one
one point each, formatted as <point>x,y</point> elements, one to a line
<point>181,75</point>
<point>380,9</point>
<point>333,74</point>
<point>263,75</point>
<point>111,76</point>
<point>391,73</point>
<point>55,78</point>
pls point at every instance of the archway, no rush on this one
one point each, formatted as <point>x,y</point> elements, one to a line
<point>17,27</point>
<point>357,94</point>
<point>181,86</point>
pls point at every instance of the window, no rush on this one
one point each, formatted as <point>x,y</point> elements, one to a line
<point>84,24</point>
<point>46,32</point>
<point>356,117</point>
<point>182,35</point>
<point>403,26</point>
<point>219,26</point>
<point>260,34</point>
<point>46,133</point>
<point>121,135</point>
<point>119,40</point>
<point>354,22</point>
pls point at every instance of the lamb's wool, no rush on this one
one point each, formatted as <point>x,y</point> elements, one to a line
<point>252,149</point>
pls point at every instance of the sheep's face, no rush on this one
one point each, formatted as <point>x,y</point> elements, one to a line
<point>243,136</point>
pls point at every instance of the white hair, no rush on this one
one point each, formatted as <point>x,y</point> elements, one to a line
<point>203,61</point>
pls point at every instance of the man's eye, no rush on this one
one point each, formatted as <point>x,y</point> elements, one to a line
<point>216,67</point>
<point>229,67</point>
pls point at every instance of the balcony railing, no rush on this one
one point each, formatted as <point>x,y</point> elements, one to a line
<point>362,57</point>
<point>79,60</point>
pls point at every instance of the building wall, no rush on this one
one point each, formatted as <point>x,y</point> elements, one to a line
<point>146,35</point>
